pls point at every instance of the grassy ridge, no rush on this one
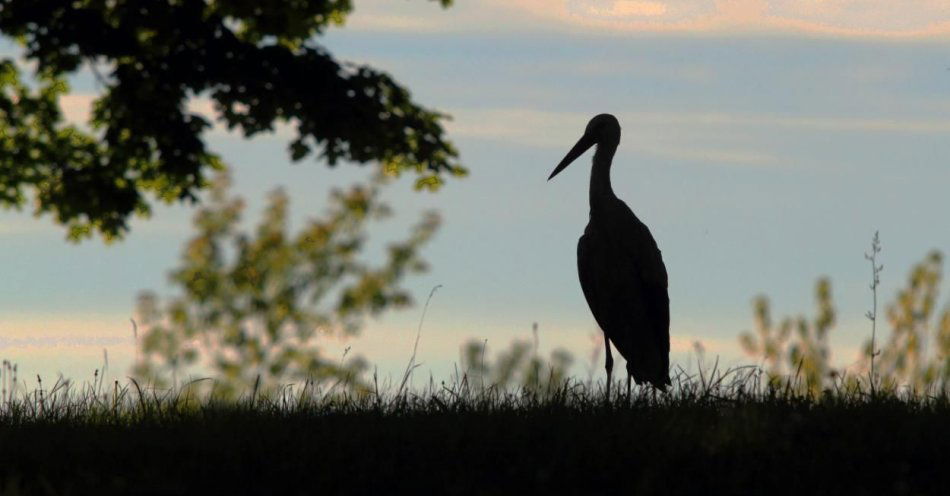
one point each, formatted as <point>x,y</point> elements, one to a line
<point>454,441</point>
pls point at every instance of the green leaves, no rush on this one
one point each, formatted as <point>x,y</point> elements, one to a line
<point>291,22</point>
<point>257,62</point>
<point>916,353</point>
<point>518,366</point>
<point>254,305</point>
<point>61,164</point>
<point>807,354</point>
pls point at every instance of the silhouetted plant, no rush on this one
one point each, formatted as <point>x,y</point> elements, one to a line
<point>257,62</point>
<point>872,351</point>
<point>917,352</point>
<point>797,346</point>
<point>76,438</point>
<point>768,342</point>
<point>518,366</point>
<point>253,307</point>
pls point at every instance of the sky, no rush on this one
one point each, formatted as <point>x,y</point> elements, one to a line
<point>763,143</point>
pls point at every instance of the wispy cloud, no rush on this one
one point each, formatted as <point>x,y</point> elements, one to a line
<point>653,133</point>
<point>630,8</point>
<point>539,125</point>
<point>711,137</point>
<point>663,134</point>
<point>738,157</point>
<point>61,341</point>
<point>882,19</point>
<point>15,224</point>
<point>390,348</point>
<point>51,326</point>
<point>397,23</point>
<point>812,123</point>
<point>77,107</point>
<point>852,18</point>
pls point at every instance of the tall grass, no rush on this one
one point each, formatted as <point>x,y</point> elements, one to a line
<point>709,387</point>
<point>729,431</point>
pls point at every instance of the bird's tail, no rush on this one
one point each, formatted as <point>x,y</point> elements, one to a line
<point>650,366</point>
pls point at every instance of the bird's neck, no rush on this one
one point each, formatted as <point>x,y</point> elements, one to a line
<point>600,189</point>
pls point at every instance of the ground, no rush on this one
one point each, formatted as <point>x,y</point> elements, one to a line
<point>444,445</point>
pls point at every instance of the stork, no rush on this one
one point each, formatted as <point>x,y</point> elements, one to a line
<point>621,269</point>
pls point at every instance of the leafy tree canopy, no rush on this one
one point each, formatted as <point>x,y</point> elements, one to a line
<point>915,354</point>
<point>519,366</point>
<point>257,62</point>
<point>253,306</point>
<point>807,356</point>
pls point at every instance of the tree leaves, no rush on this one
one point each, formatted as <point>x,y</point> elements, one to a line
<point>518,366</point>
<point>917,350</point>
<point>256,61</point>
<point>253,306</point>
<point>916,353</point>
<point>807,355</point>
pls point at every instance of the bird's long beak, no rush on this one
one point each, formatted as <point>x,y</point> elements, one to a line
<point>580,147</point>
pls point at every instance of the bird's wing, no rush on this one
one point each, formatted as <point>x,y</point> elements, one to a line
<point>640,247</point>
<point>590,274</point>
<point>638,243</point>
<point>625,282</point>
<point>612,271</point>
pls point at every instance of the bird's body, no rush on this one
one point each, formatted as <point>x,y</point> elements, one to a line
<point>621,268</point>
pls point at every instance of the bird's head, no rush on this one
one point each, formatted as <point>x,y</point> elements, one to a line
<point>603,129</point>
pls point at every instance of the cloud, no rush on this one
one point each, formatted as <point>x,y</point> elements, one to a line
<point>17,224</point>
<point>525,126</point>
<point>427,17</point>
<point>807,123</point>
<point>670,135</point>
<point>77,108</point>
<point>708,137</point>
<point>717,156</point>
<point>541,128</point>
<point>687,344</point>
<point>622,8</point>
<point>389,348</point>
<point>59,341</point>
<point>846,18</point>
<point>51,327</point>
<point>396,23</point>
<point>664,135</point>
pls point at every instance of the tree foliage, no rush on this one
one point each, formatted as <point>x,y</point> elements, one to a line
<point>916,352</point>
<point>258,64</point>
<point>253,306</point>
<point>518,366</point>
<point>797,345</point>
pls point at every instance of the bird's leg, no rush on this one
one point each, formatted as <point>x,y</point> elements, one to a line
<point>609,365</point>
<point>628,385</point>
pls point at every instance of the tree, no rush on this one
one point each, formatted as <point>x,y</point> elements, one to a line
<point>519,365</point>
<point>807,355</point>
<point>916,353</point>
<point>256,61</point>
<point>252,307</point>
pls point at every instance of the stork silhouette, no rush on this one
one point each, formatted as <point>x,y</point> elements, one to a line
<point>621,268</point>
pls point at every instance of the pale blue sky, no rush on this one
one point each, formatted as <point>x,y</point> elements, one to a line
<point>763,152</point>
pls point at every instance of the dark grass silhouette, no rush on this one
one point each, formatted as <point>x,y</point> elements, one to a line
<point>621,268</point>
<point>724,433</point>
